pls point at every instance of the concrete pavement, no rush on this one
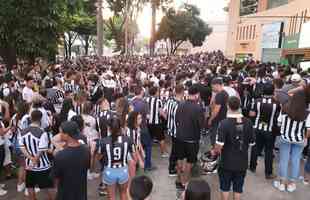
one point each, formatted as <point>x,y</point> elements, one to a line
<point>256,187</point>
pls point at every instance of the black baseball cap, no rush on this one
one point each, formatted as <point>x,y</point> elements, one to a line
<point>217,81</point>
<point>71,128</point>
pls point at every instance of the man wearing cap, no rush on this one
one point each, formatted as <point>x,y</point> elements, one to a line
<point>295,82</point>
<point>189,122</point>
<point>71,165</point>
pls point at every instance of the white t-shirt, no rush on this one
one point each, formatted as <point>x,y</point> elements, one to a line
<point>27,94</point>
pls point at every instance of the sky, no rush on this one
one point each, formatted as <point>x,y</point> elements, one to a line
<point>211,11</point>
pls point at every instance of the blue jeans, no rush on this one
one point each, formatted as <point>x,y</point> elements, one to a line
<point>147,141</point>
<point>289,152</point>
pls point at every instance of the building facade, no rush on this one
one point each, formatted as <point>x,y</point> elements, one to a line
<point>268,30</point>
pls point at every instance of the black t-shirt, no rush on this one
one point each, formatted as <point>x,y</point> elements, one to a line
<point>189,121</point>
<point>70,168</point>
<point>235,138</point>
<point>221,99</point>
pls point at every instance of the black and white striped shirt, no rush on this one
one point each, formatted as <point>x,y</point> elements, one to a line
<point>155,104</point>
<point>71,87</point>
<point>115,154</point>
<point>171,109</point>
<point>135,136</point>
<point>267,112</point>
<point>78,108</point>
<point>293,131</point>
<point>35,141</point>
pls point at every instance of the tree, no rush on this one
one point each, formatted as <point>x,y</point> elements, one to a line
<point>124,19</point>
<point>115,30</point>
<point>182,25</point>
<point>29,29</point>
<point>155,4</point>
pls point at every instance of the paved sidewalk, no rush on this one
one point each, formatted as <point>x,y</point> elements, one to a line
<point>256,188</point>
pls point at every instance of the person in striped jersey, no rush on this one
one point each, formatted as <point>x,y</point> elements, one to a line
<point>154,121</point>
<point>115,150</point>
<point>170,110</point>
<point>34,145</point>
<point>294,123</point>
<point>265,111</point>
<point>134,132</point>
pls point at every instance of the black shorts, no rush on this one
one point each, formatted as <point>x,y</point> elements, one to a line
<point>186,150</point>
<point>157,131</point>
<point>42,179</point>
<point>231,178</point>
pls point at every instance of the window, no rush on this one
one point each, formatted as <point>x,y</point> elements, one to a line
<point>248,7</point>
<point>276,3</point>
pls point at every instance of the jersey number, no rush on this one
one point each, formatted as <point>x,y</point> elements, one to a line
<point>117,153</point>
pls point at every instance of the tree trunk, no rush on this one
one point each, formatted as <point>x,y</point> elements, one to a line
<point>153,27</point>
<point>86,44</point>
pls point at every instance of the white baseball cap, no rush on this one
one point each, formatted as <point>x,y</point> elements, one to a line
<point>296,78</point>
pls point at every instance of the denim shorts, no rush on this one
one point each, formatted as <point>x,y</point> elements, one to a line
<point>112,176</point>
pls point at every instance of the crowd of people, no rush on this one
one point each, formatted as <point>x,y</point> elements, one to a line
<point>65,124</point>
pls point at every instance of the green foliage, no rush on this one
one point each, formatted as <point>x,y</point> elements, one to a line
<point>182,25</point>
<point>115,30</point>
<point>29,29</point>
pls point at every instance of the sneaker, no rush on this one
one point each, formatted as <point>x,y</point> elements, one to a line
<point>90,176</point>
<point>36,190</point>
<point>21,187</point>
<point>95,175</point>
<point>3,192</point>
<point>291,187</point>
<point>278,185</point>
<point>172,173</point>
<point>305,182</point>
<point>165,155</point>
<point>2,186</point>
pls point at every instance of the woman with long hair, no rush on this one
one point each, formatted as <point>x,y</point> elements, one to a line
<point>133,131</point>
<point>294,122</point>
<point>122,109</point>
<point>115,149</point>
<point>16,121</point>
<point>91,134</point>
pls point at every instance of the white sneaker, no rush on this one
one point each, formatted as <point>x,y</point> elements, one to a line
<point>280,186</point>
<point>90,176</point>
<point>291,187</point>
<point>26,192</point>
<point>36,190</point>
<point>2,185</point>
<point>95,175</point>
<point>3,192</point>
<point>165,155</point>
<point>21,187</point>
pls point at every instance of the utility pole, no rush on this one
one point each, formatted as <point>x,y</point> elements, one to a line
<point>99,29</point>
